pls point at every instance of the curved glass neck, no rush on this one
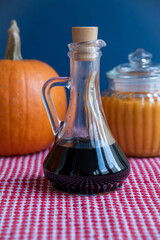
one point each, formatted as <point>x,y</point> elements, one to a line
<point>85,118</point>
<point>84,77</point>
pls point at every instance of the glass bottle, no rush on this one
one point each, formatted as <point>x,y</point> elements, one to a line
<point>132,105</point>
<point>85,157</point>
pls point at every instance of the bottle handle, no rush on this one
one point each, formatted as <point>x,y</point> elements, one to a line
<point>56,124</point>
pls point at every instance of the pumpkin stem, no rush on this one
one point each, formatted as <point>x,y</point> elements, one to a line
<point>13,50</point>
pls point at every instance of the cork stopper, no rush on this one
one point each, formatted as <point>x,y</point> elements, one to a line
<point>83,34</point>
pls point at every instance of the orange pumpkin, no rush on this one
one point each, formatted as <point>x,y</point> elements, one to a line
<point>24,125</point>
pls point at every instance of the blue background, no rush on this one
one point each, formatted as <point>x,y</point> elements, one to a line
<point>45,28</point>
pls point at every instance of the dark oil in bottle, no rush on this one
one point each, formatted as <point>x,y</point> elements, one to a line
<point>83,169</point>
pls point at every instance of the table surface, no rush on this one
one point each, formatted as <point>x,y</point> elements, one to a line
<point>31,209</point>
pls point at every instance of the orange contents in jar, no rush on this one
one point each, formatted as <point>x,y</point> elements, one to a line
<point>134,120</point>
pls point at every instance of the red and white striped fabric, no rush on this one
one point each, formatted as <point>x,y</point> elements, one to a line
<point>31,209</point>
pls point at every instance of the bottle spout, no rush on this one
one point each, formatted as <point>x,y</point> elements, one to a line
<point>86,51</point>
<point>100,43</point>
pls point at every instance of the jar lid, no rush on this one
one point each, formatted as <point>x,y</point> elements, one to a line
<point>139,71</point>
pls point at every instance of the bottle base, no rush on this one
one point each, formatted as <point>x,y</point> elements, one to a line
<point>87,184</point>
<point>86,190</point>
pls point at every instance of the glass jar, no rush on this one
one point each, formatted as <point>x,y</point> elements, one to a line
<point>132,105</point>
